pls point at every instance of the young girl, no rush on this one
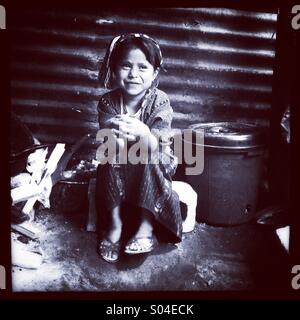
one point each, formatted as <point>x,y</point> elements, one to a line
<point>135,110</point>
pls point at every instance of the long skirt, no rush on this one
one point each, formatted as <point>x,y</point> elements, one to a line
<point>147,186</point>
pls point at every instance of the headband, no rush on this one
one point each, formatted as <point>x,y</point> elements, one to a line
<point>105,75</point>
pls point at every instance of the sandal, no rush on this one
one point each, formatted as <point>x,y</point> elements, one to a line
<point>139,245</point>
<point>109,251</point>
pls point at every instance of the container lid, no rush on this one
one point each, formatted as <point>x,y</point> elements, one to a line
<point>232,135</point>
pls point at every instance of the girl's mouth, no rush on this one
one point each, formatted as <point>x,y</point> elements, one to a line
<point>132,83</point>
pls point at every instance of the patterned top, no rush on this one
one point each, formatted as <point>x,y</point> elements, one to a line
<point>124,110</point>
<point>155,112</point>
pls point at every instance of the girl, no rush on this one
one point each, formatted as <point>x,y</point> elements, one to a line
<point>135,110</point>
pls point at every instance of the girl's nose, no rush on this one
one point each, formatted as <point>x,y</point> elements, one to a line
<point>133,72</point>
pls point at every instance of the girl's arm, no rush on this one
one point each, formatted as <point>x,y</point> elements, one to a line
<point>106,116</point>
<point>106,111</point>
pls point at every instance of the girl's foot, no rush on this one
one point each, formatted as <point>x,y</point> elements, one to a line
<point>143,241</point>
<point>109,246</point>
<point>109,251</point>
<point>139,245</point>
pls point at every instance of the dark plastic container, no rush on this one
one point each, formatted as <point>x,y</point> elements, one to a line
<point>233,161</point>
<point>69,197</point>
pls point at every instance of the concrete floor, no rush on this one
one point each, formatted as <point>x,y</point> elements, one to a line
<point>246,257</point>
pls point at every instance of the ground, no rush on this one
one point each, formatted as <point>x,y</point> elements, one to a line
<point>245,257</point>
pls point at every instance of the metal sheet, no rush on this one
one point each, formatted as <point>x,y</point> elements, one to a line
<point>219,64</point>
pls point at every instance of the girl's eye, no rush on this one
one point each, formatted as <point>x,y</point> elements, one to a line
<point>126,66</point>
<point>143,67</point>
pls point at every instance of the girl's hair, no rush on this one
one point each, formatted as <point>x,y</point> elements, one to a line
<point>119,46</point>
<point>147,46</point>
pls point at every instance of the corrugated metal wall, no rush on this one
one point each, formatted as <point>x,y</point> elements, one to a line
<point>219,64</point>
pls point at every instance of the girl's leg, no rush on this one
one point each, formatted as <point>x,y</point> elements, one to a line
<point>115,225</point>
<point>146,227</point>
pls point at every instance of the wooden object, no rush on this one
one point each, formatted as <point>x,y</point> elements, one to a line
<point>92,216</point>
<point>24,192</point>
<point>25,230</point>
<point>49,169</point>
<point>23,258</point>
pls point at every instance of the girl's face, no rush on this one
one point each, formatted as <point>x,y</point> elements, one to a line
<point>134,73</point>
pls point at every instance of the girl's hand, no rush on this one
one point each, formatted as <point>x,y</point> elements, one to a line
<point>129,127</point>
